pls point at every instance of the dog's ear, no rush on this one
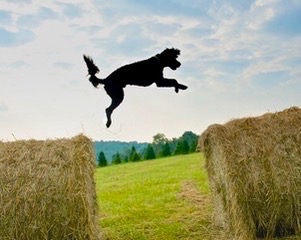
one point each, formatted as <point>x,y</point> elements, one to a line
<point>171,52</point>
<point>177,51</point>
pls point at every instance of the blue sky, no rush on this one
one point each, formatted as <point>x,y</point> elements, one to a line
<point>239,58</point>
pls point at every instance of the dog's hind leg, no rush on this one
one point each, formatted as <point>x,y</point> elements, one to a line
<point>117,95</point>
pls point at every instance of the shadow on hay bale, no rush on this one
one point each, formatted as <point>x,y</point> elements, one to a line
<point>47,190</point>
<point>254,169</point>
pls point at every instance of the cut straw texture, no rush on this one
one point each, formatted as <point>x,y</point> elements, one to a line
<point>47,190</point>
<point>254,169</point>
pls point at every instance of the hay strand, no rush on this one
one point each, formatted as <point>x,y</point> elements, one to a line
<point>47,189</point>
<point>254,169</point>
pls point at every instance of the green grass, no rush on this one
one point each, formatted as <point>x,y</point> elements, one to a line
<point>158,199</point>
<point>164,199</point>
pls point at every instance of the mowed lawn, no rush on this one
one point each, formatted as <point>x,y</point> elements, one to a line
<point>157,199</point>
<point>163,199</point>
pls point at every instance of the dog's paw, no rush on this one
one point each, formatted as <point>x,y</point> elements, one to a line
<point>180,86</point>
<point>109,120</point>
<point>108,124</point>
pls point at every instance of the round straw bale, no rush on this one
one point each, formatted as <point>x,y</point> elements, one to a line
<point>254,170</point>
<point>47,190</point>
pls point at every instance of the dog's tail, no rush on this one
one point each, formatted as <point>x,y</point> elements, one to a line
<point>92,70</point>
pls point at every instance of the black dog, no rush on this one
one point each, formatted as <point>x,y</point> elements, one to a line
<point>143,73</point>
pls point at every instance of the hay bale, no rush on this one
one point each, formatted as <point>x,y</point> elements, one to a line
<point>47,190</point>
<point>254,169</point>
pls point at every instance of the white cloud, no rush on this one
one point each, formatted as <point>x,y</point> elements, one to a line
<point>261,3</point>
<point>11,39</point>
<point>259,16</point>
<point>226,53</point>
<point>3,107</point>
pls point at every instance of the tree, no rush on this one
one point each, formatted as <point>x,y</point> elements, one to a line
<point>173,145</point>
<point>192,140</point>
<point>158,141</point>
<point>182,147</point>
<point>116,159</point>
<point>194,146</point>
<point>134,156</point>
<point>185,147</point>
<point>159,138</point>
<point>102,161</point>
<point>125,158</point>
<point>165,151</point>
<point>149,152</point>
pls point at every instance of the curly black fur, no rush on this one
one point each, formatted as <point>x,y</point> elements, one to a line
<point>143,73</point>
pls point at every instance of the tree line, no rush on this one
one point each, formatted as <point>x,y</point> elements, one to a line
<point>159,148</point>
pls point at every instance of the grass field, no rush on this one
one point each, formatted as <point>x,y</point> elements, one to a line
<point>164,199</point>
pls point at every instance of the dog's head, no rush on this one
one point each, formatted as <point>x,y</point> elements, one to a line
<point>169,58</point>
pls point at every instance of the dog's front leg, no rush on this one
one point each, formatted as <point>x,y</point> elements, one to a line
<point>166,82</point>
